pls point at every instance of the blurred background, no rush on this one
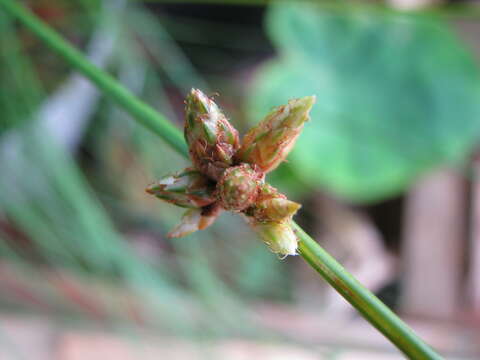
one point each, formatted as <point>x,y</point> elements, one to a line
<point>387,171</point>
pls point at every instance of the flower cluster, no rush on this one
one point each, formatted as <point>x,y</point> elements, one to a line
<point>229,174</point>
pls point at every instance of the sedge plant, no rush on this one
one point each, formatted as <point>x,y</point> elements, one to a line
<point>218,181</point>
<point>229,174</point>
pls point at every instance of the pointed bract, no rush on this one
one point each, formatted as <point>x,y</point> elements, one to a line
<point>269,143</point>
<point>212,140</point>
<point>188,188</point>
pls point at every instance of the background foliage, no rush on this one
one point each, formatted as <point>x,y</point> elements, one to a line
<point>398,94</point>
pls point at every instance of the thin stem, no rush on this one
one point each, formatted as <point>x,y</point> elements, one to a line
<point>376,312</point>
<point>363,300</point>
<point>140,111</point>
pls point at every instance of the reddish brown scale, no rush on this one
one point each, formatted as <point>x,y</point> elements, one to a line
<point>209,214</point>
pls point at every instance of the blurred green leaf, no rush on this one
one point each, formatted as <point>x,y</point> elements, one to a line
<point>19,86</point>
<point>397,94</point>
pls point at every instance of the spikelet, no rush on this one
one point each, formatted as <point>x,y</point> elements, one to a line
<point>272,206</point>
<point>269,143</point>
<point>212,140</point>
<point>188,188</point>
<point>238,187</point>
<point>279,237</point>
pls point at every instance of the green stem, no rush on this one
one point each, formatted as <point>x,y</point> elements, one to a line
<point>363,300</point>
<point>376,312</point>
<point>140,111</point>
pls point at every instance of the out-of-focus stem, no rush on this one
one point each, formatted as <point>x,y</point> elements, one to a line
<point>143,113</point>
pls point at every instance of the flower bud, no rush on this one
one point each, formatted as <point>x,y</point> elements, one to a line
<point>238,187</point>
<point>212,140</point>
<point>188,188</point>
<point>269,143</point>
<point>195,219</point>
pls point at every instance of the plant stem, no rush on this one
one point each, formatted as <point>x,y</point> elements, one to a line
<point>363,300</point>
<point>140,111</point>
<point>376,312</point>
